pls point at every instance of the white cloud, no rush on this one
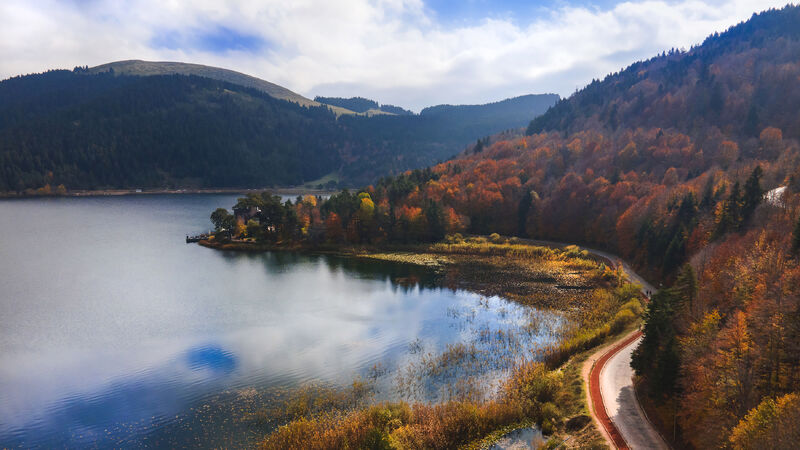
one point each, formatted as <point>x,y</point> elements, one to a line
<point>390,50</point>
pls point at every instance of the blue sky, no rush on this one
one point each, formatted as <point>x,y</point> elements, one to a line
<point>412,53</point>
<point>471,11</point>
<point>212,38</point>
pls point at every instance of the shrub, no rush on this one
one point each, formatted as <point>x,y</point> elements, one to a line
<point>573,251</point>
<point>377,440</point>
<point>547,427</point>
<point>456,238</point>
<point>621,320</point>
<point>496,238</point>
<point>582,341</point>
<point>634,306</point>
<point>627,292</point>
<point>550,412</point>
<point>532,386</point>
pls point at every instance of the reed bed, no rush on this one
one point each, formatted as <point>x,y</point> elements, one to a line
<point>498,379</point>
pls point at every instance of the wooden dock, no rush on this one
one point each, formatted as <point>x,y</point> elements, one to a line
<point>196,238</point>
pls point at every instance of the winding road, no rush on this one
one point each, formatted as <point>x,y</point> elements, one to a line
<point>618,399</point>
<point>608,379</point>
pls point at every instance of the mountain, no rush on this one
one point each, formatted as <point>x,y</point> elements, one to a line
<point>508,113</point>
<point>139,124</point>
<point>104,130</point>
<point>736,81</point>
<point>666,163</point>
<point>148,68</point>
<point>362,105</point>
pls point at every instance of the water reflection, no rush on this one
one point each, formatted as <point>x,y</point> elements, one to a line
<point>211,358</point>
<point>114,332</point>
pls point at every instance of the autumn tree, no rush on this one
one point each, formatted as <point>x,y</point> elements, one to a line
<point>774,424</point>
<point>333,228</point>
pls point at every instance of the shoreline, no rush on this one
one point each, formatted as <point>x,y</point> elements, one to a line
<point>505,270</point>
<point>289,191</point>
<point>535,276</point>
<point>539,275</point>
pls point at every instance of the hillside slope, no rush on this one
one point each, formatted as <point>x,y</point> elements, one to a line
<point>101,131</point>
<point>736,81</point>
<point>362,105</point>
<point>666,163</point>
<point>148,68</point>
<point>111,130</point>
<point>510,112</point>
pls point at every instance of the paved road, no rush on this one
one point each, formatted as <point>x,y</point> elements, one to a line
<point>616,386</point>
<point>619,399</point>
<point>616,379</point>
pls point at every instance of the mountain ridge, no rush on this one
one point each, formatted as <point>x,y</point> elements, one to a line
<point>140,67</point>
<point>106,128</point>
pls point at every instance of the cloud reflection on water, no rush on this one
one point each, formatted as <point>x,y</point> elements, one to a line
<point>132,337</point>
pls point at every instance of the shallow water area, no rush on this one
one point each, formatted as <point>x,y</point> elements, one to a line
<point>115,333</point>
<point>521,439</point>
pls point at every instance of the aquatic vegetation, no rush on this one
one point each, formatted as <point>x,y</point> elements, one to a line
<point>527,395</point>
<point>311,400</point>
<point>499,375</point>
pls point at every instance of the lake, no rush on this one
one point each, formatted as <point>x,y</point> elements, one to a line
<point>115,333</point>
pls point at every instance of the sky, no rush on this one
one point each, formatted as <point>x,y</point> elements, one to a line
<point>410,53</point>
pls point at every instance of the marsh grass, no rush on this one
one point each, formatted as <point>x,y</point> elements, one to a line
<point>499,378</point>
<point>487,352</point>
<point>528,394</point>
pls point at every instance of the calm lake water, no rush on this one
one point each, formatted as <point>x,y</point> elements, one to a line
<point>115,333</point>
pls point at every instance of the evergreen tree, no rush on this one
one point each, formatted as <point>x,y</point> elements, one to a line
<point>478,146</point>
<point>676,250</point>
<point>657,357</point>
<point>435,218</point>
<point>730,218</point>
<point>753,194</point>
<point>796,237</point>
<point>708,194</point>
<point>686,284</point>
<point>522,213</point>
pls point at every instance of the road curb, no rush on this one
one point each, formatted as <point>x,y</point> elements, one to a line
<point>596,396</point>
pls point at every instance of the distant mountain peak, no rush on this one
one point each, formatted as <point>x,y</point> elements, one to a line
<point>146,68</point>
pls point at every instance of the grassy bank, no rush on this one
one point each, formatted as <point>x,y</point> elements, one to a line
<point>545,390</point>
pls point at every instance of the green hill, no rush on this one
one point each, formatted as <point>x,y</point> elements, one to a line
<point>148,68</point>
<point>153,125</point>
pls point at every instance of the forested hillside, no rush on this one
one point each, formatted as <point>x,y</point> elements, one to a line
<point>362,105</point>
<point>98,131</point>
<point>137,67</point>
<point>89,129</point>
<point>665,163</point>
<point>508,113</point>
